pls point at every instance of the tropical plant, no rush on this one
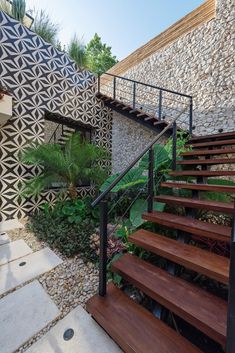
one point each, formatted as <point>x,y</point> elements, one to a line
<point>68,165</point>
<point>45,28</point>
<point>99,56</point>
<point>18,10</point>
<point>77,52</point>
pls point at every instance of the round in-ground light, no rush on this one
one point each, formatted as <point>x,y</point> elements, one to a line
<point>22,263</point>
<point>68,334</point>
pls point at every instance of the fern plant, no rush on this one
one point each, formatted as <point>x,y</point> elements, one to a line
<point>78,160</point>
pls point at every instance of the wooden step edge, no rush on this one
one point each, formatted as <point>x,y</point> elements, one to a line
<point>209,152</point>
<point>206,161</point>
<point>196,203</point>
<point>205,173</point>
<point>134,328</point>
<point>189,225</point>
<point>221,135</point>
<point>192,304</point>
<point>189,256</point>
<point>213,143</point>
<point>200,187</point>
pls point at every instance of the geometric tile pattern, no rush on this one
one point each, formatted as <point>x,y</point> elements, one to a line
<point>40,78</point>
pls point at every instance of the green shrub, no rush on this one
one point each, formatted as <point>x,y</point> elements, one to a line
<point>67,226</point>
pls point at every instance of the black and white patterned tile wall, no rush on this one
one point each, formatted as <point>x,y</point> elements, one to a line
<point>40,78</point>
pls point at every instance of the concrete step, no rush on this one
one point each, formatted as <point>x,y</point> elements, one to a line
<point>88,336</point>
<point>27,268</point>
<point>23,314</point>
<point>13,251</point>
<point>10,224</point>
<point>4,238</point>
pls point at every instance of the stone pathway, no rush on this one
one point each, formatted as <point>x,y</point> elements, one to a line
<point>57,294</point>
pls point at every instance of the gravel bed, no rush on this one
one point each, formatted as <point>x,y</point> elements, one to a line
<point>70,284</point>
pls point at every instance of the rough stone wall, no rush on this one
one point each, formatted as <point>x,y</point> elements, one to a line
<point>201,63</point>
<point>128,140</point>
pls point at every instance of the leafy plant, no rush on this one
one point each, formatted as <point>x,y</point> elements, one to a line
<point>18,9</point>
<point>139,207</point>
<point>45,28</point>
<point>76,161</point>
<point>77,52</point>
<point>99,56</point>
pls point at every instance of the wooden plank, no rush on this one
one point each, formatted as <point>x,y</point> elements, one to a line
<point>203,173</point>
<point>213,161</point>
<point>134,328</point>
<point>196,259</point>
<point>196,203</point>
<point>209,152</point>
<point>202,187</point>
<point>190,225</point>
<point>220,136</point>
<point>201,15</point>
<point>201,309</point>
<point>212,143</point>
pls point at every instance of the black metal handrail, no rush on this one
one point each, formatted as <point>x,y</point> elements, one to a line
<point>148,85</point>
<point>136,101</point>
<point>103,202</point>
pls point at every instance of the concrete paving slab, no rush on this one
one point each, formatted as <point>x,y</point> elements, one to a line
<point>13,251</point>
<point>4,238</point>
<point>23,314</point>
<point>27,268</point>
<point>88,336</point>
<point>10,224</point>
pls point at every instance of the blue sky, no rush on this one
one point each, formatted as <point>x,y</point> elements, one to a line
<point>123,24</point>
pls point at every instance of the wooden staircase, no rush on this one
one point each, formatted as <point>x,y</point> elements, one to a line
<point>133,327</point>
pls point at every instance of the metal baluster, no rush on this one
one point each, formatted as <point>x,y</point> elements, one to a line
<point>191,116</point>
<point>174,146</point>
<point>230,347</point>
<point>114,88</point>
<point>98,83</point>
<point>160,105</point>
<point>103,247</point>
<point>151,180</point>
<point>134,94</point>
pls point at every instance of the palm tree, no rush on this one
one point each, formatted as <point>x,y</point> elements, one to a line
<point>45,28</point>
<point>77,52</point>
<point>68,165</point>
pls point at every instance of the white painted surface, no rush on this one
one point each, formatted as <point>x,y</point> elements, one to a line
<point>5,108</point>
<point>12,275</point>
<point>4,238</point>
<point>88,337</point>
<point>24,313</point>
<point>10,224</point>
<point>13,251</point>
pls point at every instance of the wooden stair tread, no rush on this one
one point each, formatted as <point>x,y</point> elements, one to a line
<point>206,161</point>
<point>192,257</point>
<point>213,136</point>
<point>196,203</point>
<point>134,328</point>
<point>205,173</point>
<point>190,225</point>
<point>212,143</point>
<point>205,311</point>
<point>202,187</point>
<point>209,152</point>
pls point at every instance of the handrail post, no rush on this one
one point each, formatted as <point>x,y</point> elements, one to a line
<point>114,87</point>
<point>98,83</point>
<point>191,116</point>
<point>150,180</point>
<point>103,247</point>
<point>174,146</point>
<point>230,346</point>
<point>134,94</point>
<point>160,105</point>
